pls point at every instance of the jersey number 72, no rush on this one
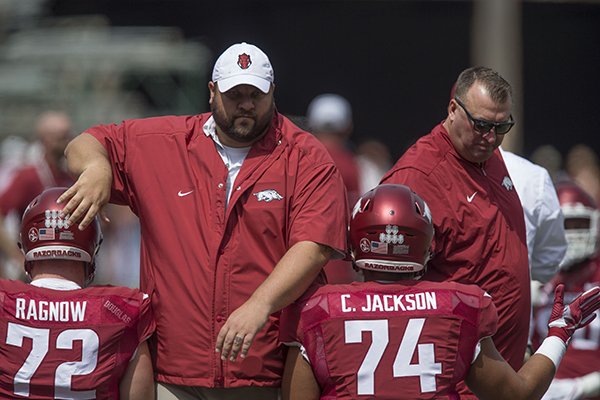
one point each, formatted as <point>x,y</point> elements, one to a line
<point>40,338</point>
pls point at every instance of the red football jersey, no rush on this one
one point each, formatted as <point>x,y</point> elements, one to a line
<point>410,340</point>
<point>72,344</point>
<point>583,353</point>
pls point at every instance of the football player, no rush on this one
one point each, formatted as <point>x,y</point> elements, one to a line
<point>579,374</point>
<point>394,336</point>
<point>60,339</point>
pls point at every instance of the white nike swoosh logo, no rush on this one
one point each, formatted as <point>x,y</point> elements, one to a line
<point>470,198</point>
<point>181,194</point>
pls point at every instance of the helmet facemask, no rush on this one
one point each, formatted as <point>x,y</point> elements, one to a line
<point>581,232</point>
<point>581,216</point>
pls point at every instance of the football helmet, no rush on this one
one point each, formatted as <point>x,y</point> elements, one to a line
<point>391,231</point>
<point>581,223</point>
<point>45,235</point>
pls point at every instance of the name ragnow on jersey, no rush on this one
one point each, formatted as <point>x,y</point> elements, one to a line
<point>69,343</point>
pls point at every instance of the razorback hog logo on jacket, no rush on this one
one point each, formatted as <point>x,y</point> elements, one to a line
<point>507,183</point>
<point>244,61</point>
<point>268,195</point>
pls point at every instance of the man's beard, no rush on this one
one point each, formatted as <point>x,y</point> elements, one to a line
<point>246,131</point>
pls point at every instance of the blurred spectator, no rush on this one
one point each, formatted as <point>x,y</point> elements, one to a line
<point>46,169</point>
<point>547,156</point>
<point>374,160</point>
<point>121,246</point>
<point>583,167</point>
<point>12,154</point>
<point>578,376</point>
<point>329,118</point>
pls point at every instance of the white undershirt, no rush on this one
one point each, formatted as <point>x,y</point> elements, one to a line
<point>56,284</point>
<point>233,157</point>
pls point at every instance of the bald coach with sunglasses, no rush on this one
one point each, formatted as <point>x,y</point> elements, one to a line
<point>479,227</point>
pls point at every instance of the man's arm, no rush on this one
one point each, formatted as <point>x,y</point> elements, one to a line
<point>88,160</point>
<point>550,244</point>
<point>299,381</point>
<point>138,381</point>
<point>292,275</point>
<point>491,377</point>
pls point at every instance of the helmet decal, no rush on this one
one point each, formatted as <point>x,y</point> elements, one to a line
<point>33,235</point>
<point>391,235</point>
<point>365,245</point>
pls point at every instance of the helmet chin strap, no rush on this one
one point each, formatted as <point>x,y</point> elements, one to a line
<point>28,265</point>
<point>89,273</point>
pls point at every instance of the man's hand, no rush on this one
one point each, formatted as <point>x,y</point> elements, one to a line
<point>240,329</point>
<point>565,320</point>
<point>87,196</point>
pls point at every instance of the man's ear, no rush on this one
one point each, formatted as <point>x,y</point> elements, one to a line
<point>212,87</point>
<point>452,105</point>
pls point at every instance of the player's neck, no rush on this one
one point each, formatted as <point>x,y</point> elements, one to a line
<point>55,283</point>
<point>381,276</point>
<point>59,269</point>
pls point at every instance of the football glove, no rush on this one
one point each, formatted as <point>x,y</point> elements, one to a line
<point>565,320</point>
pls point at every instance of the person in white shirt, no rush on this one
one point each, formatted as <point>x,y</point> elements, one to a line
<point>544,222</point>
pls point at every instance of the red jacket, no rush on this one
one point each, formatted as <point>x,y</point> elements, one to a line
<point>479,230</point>
<point>199,260</point>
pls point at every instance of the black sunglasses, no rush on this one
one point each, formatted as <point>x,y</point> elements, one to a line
<point>483,126</point>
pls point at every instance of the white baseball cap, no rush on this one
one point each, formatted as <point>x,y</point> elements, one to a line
<point>240,64</point>
<point>329,112</point>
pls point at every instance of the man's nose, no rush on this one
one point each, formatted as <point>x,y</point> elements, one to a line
<point>491,135</point>
<point>246,103</point>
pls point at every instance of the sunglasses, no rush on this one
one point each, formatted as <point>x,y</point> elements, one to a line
<point>482,126</point>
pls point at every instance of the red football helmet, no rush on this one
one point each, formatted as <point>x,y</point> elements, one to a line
<point>581,223</point>
<point>45,236</point>
<point>391,230</point>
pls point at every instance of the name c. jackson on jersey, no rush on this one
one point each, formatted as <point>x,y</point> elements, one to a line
<point>42,310</point>
<point>389,302</point>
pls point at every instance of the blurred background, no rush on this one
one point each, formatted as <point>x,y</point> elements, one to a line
<point>103,61</point>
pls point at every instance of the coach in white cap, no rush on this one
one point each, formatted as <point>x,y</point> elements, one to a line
<point>239,211</point>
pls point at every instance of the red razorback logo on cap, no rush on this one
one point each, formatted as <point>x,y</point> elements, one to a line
<point>244,61</point>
